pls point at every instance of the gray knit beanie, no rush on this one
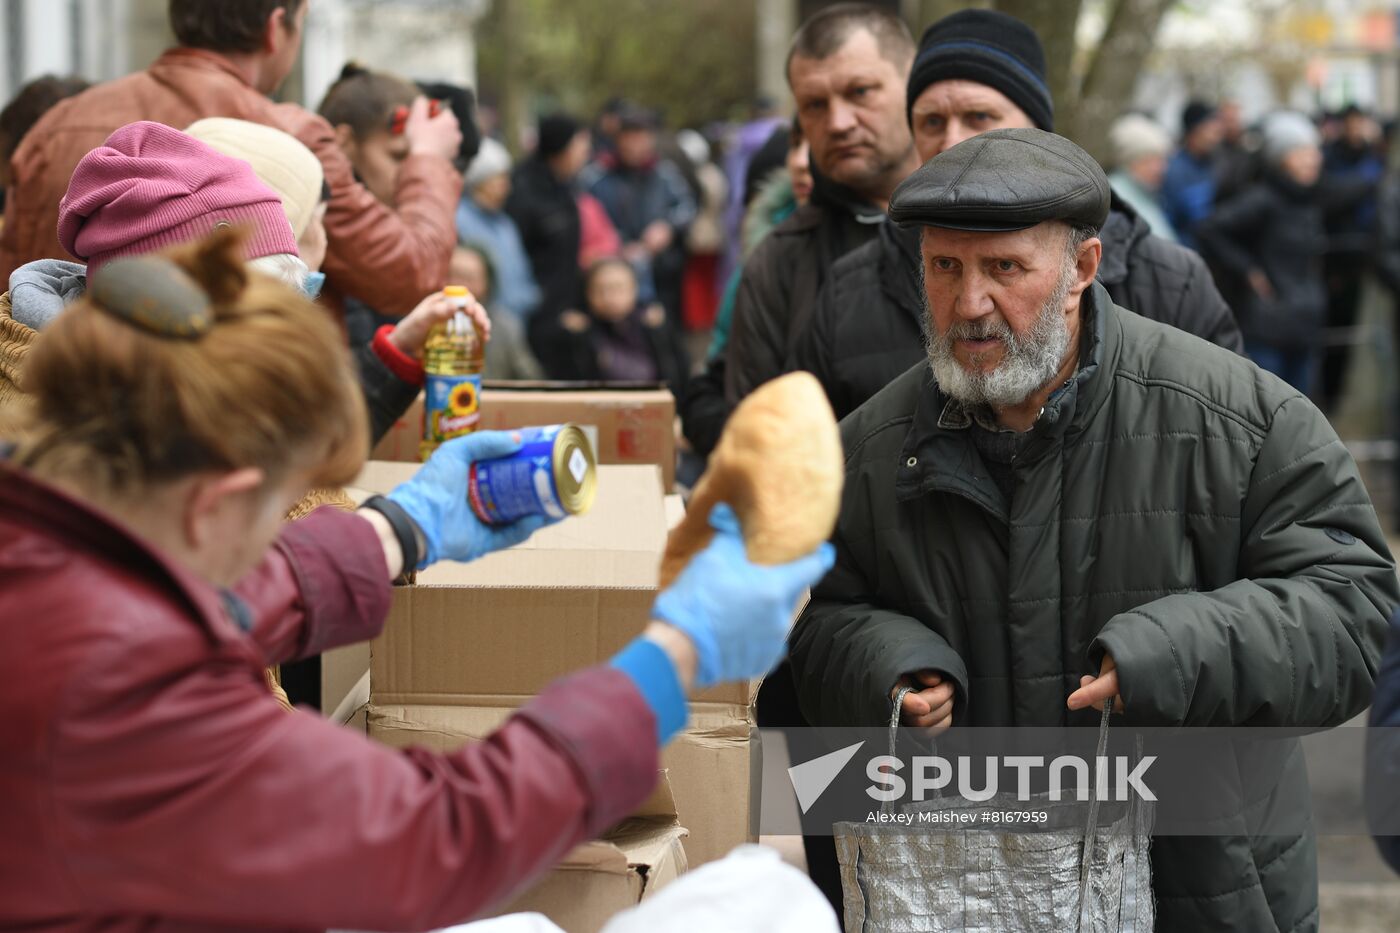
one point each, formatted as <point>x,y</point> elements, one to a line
<point>1285,131</point>
<point>492,159</point>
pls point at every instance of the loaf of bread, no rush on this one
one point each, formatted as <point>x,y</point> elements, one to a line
<point>779,465</point>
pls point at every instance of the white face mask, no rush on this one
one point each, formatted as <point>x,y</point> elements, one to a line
<point>291,271</point>
<point>313,283</point>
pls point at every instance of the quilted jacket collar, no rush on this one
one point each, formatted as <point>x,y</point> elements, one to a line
<point>939,455</point>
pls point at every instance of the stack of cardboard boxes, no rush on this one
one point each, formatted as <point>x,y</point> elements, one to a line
<point>465,644</point>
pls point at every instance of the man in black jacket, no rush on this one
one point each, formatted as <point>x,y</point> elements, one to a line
<point>847,70</point>
<point>543,205</point>
<point>979,70</point>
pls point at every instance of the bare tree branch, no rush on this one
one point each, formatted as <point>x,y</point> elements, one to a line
<point>931,11</point>
<point>693,60</point>
<point>1111,77</point>
<point>1055,21</point>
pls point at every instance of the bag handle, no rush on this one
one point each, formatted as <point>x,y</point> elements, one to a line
<point>1091,826</point>
<point>899,696</point>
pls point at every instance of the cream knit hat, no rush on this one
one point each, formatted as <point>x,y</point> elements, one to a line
<point>278,159</point>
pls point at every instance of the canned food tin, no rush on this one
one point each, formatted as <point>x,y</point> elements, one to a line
<point>553,474</point>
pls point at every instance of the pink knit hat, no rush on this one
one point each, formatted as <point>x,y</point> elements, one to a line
<point>150,186</point>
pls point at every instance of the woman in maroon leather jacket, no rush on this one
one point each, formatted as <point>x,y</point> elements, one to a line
<point>146,579</point>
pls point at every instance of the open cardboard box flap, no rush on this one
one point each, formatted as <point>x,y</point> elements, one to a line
<point>443,728</point>
<point>634,858</point>
<point>634,845</point>
<point>711,765</point>
<point>599,879</point>
<point>446,728</point>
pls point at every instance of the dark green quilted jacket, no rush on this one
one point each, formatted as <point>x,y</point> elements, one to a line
<point>1178,508</point>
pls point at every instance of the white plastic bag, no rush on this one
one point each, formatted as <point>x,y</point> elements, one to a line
<point>749,891</point>
<point>512,923</point>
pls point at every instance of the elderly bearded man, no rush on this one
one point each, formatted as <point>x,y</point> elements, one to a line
<point>1069,503</point>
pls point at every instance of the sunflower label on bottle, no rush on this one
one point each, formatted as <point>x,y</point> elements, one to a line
<point>453,358</point>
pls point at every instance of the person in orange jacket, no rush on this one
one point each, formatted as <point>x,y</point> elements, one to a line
<point>231,55</point>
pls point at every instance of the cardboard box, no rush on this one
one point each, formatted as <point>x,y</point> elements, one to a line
<point>400,443</point>
<point>344,681</point>
<point>675,511</point>
<point>596,879</point>
<point>494,632</point>
<point>712,766</point>
<point>715,769</point>
<point>358,721</point>
<point>715,765</point>
<point>490,635</point>
<point>634,426</point>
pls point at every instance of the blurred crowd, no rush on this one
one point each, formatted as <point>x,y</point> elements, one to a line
<point>611,251</point>
<point>1286,213</point>
<point>614,249</point>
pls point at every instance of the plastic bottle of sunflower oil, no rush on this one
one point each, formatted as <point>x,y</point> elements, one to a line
<point>453,358</point>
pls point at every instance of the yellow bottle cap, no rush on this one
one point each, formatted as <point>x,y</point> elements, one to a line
<point>456,291</point>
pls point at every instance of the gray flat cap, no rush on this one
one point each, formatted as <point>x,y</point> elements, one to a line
<point>1004,180</point>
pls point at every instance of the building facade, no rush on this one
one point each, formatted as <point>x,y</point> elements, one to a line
<point>104,39</point>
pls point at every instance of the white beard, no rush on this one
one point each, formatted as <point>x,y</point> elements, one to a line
<point>1031,360</point>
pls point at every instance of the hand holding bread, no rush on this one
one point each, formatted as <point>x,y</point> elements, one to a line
<point>780,466</point>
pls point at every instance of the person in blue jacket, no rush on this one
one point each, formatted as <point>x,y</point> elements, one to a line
<point>1188,190</point>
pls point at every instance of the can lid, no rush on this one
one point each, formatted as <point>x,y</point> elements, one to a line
<point>575,470</point>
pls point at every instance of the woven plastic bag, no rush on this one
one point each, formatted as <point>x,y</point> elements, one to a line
<point>936,880</point>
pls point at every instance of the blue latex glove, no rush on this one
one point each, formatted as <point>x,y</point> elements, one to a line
<point>736,612</point>
<point>436,500</point>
